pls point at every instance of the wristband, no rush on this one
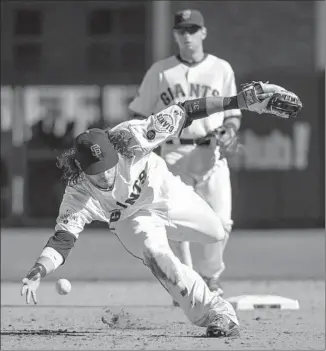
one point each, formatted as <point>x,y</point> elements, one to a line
<point>196,109</point>
<point>53,255</point>
<point>231,103</point>
<point>241,101</point>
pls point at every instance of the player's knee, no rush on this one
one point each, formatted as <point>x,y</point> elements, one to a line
<point>219,232</point>
<point>153,247</point>
<point>227,225</point>
<point>155,253</point>
<point>220,235</point>
<point>219,228</point>
<point>161,261</point>
<point>212,236</point>
<point>223,230</point>
<point>151,250</point>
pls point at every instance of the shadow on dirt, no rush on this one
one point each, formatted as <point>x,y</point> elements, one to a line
<point>50,332</point>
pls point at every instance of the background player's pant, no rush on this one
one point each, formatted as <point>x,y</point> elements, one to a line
<point>145,235</point>
<point>216,190</point>
<point>198,167</point>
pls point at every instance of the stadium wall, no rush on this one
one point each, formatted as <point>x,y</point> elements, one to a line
<point>278,179</point>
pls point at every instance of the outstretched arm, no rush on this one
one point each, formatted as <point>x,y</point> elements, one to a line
<point>203,107</point>
<point>72,218</point>
<point>257,97</point>
<point>53,255</point>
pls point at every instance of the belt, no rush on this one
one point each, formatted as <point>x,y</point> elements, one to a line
<point>199,142</point>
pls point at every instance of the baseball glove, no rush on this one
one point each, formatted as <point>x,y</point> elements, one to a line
<point>262,97</point>
<point>227,139</point>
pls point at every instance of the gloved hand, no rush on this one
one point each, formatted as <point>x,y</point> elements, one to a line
<point>31,283</point>
<point>262,97</point>
<point>227,139</point>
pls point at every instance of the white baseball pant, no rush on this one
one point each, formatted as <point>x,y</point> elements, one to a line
<point>145,235</point>
<point>201,168</point>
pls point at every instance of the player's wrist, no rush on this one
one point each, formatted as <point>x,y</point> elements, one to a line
<point>204,107</point>
<point>230,103</point>
<point>42,266</point>
<point>37,270</point>
<point>241,101</point>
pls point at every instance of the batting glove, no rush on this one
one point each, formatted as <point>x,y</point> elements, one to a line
<point>30,284</point>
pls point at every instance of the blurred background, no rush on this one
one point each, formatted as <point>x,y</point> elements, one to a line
<point>69,65</point>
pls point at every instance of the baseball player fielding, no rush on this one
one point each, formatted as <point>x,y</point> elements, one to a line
<point>113,176</point>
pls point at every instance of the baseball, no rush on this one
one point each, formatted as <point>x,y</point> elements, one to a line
<point>63,286</point>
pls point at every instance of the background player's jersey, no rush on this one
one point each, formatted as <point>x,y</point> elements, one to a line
<point>141,181</point>
<point>171,81</point>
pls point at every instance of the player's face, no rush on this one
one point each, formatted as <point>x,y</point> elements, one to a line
<point>104,180</point>
<point>190,38</point>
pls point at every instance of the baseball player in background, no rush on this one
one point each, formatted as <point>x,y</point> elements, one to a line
<point>196,156</point>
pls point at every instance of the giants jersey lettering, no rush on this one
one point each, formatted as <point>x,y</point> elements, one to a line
<point>171,81</point>
<point>140,180</point>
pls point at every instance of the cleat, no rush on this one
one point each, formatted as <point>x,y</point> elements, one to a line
<point>222,326</point>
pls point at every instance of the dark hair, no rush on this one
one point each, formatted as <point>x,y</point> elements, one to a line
<point>72,174</point>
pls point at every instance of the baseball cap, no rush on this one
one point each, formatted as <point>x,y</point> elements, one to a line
<point>187,18</point>
<point>95,153</point>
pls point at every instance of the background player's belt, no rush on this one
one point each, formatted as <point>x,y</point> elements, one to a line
<point>200,141</point>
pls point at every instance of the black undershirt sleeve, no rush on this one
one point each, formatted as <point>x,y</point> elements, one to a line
<point>62,241</point>
<point>197,108</point>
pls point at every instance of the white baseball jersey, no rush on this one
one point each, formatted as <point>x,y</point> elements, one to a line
<point>147,205</point>
<point>171,81</point>
<point>139,182</point>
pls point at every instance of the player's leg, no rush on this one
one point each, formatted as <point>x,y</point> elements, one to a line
<point>145,237</point>
<point>191,213</point>
<point>182,250</point>
<point>216,190</point>
<point>210,256</point>
<point>177,162</point>
<point>198,165</point>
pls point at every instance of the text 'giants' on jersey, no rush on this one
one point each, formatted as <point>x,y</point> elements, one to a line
<point>177,93</point>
